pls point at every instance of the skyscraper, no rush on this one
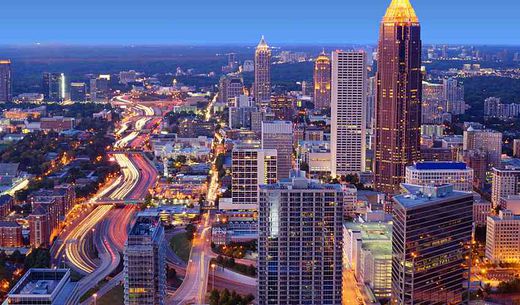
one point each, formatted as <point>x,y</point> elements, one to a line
<point>262,86</point>
<point>322,86</point>
<point>145,263</point>
<point>349,96</point>
<point>300,236</point>
<point>54,86</point>
<point>5,81</point>
<point>432,229</point>
<point>279,135</point>
<point>398,110</point>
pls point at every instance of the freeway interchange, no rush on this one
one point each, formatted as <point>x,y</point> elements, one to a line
<point>92,245</point>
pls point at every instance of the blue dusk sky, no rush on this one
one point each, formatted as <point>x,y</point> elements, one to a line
<point>243,21</point>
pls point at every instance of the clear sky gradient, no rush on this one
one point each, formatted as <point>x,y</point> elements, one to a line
<point>243,21</point>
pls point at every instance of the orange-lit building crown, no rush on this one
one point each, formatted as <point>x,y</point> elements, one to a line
<point>400,11</point>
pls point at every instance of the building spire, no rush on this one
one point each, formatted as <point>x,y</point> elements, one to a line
<point>400,11</point>
<point>262,43</point>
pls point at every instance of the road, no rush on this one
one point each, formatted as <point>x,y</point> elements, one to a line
<point>194,286</point>
<point>138,177</point>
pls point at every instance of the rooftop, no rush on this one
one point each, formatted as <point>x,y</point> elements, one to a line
<point>440,166</point>
<point>418,195</point>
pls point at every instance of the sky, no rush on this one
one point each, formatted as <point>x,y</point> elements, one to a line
<point>243,21</point>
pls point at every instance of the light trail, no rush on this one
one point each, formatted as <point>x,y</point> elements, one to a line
<point>131,177</point>
<point>76,247</point>
<point>127,139</point>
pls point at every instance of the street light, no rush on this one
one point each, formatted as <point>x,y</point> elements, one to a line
<point>213,266</point>
<point>95,298</point>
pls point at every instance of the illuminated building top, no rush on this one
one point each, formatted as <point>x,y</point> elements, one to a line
<point>400,11</point>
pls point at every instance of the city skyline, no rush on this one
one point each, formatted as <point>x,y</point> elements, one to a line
<point>289,22</point>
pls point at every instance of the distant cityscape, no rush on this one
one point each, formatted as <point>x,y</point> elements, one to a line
<point>268,174</point>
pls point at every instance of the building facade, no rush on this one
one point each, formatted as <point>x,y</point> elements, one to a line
<point>398,110</point>
<point>489,141</point>
<point>348,122</point>
<point>505,182</point>
<point>300,236</point>
<point>432,227</point>
<point>5,81</point>
<point>279,135</point>
<point>502,236</point>
<point>251,168</point>
<point>322,82</point>
<point>455,173</point>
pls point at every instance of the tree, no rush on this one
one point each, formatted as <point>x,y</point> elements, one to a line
<point>190,231</point>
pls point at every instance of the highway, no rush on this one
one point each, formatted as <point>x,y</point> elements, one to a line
<point>77,244</point>
<point>138,178</point>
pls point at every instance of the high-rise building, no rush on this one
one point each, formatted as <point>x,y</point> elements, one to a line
<point>262,85</point>
<point>279,135</point>
<point>78,92</point>
<point>349,96</point>
<point>398,110</point>
<point>488,140</point>
<point>251,168</point>
<point>300,237</point>
<point>431,234</point>
<point>5,81</point>
<point>322,82</point>
<point>454,96</point>
<point>427,173</point>
<point>99,87</point>
<point>145,263</point>
<point>502,235</point>
<point>505,182</point>
<point>230,87</point>
<point>54,86</point>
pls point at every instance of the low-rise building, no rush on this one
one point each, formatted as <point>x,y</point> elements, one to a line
<point>10,234</point>
<point>367,249</point>
<point>44,286</point>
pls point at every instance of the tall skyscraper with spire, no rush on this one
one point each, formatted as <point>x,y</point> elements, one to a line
<point>262,86</point>
<point>322,78</point>
<point>399,92</point>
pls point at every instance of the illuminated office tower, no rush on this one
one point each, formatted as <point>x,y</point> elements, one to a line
<point>398,110</point>
<point>262,86</point>
<point>5,81</point>
<point>322,86</point>
<point>349,96</point>
<point>279,135</point>
<point>299,242</point>
<point>431,237</point>
<point>145,263</point>
<point>54,86</point>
